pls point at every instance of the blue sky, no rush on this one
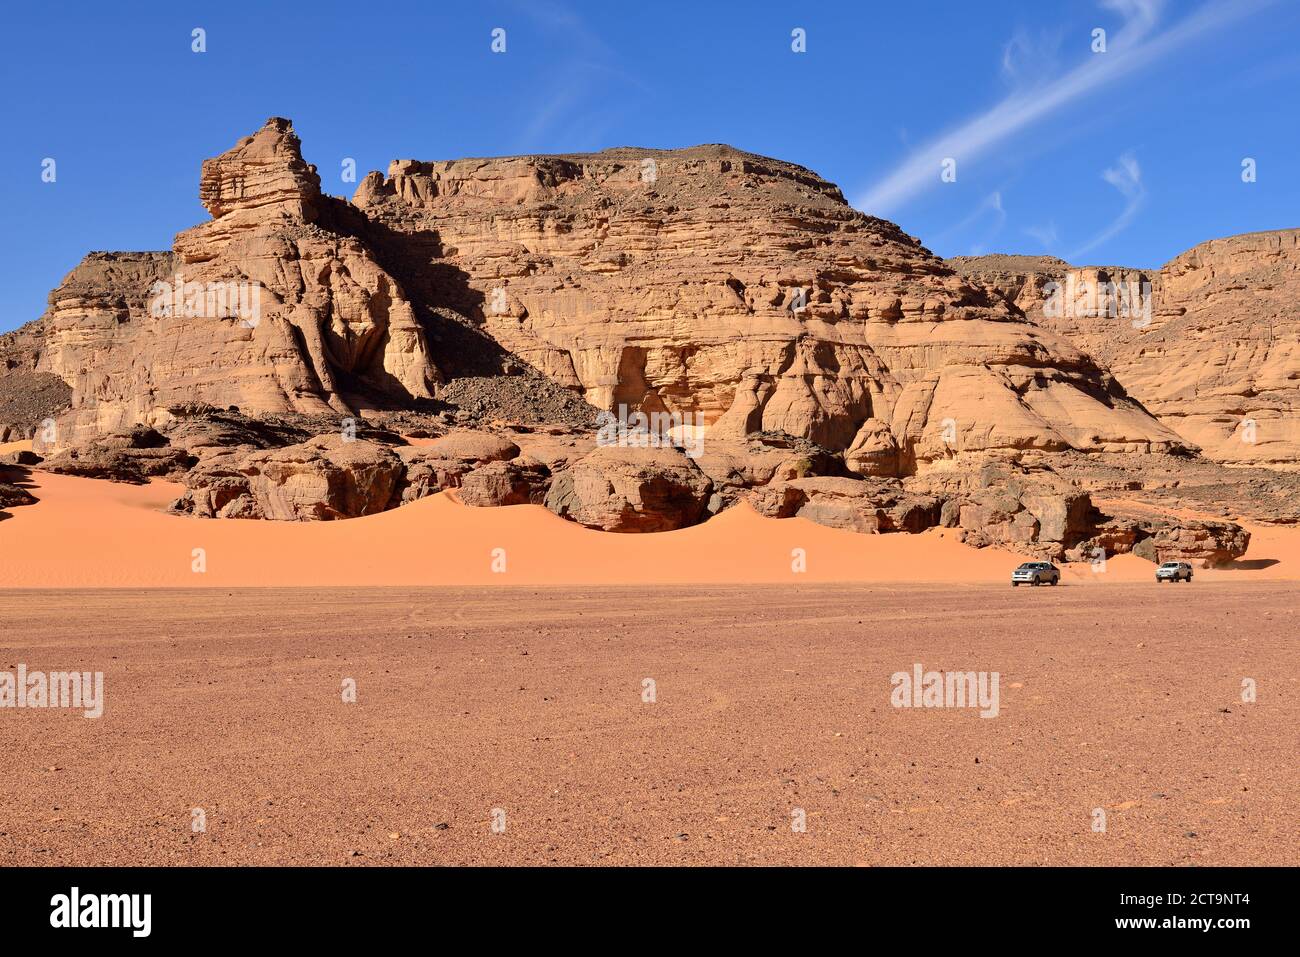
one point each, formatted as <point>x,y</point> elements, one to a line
<point>1123,157</point>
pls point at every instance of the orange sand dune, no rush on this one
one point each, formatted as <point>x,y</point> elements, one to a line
<point>90,533</point>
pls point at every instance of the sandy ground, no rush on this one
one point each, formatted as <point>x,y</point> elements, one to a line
<point>767,700</point>
<point>86,533</point>
<point>516,690</point>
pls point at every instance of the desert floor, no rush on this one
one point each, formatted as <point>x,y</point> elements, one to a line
<point>768,699</point>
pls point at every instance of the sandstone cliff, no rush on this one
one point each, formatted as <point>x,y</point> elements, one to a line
<point>701,281</point>
<point>834,367</point>
<point>269,307</point>
<point>1216,357</point>
<point>714,282</point>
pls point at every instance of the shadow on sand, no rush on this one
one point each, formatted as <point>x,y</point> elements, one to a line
<point>1251,564</point>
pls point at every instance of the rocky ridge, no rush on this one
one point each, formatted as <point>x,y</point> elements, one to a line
<point>463,324</point>
<point>1215,352</point>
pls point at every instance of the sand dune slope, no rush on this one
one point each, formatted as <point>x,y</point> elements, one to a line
<point>88,533</point>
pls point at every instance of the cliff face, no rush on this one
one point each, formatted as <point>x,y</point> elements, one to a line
<point>706,282</point>
<point>1223,368</point>
<point>713,282</point>
<point>28,397</point>
<point>269,306</point>
<point>829,365</point>
<point>1216,357</point>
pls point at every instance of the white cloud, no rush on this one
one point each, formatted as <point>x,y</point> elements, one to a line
<point>588,64</point>
<point>1028,59</point>
<point>989,208</point>
<point>1125,176</point>
<point>1130,48</point>
<point>1046,235</point>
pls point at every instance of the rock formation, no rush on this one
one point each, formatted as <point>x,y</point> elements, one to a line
<point>704,282</point>
<point>325,477</point>
<point>861,506</point>
<point>743,290</point>
<point>1216,356</point>
<point>135,455</point>
<point>460,324</point>
<point>623,489</point>
<point>12,495</point>
<point>29,399</point>
<point>271,306</point>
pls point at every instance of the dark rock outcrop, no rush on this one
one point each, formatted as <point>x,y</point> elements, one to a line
<point>134,456</point>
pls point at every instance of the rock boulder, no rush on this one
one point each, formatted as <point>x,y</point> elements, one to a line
<point>321,479</point>
<point>620,489</point>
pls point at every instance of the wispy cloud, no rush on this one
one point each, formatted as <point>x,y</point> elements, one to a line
<point>567,90</point>
<point>561,20</point>
<point>1029,59</point>
<point>990,210</point>
<point>1125,176</point>
<point>994,204</point>
<point>1046,234</point>
<point>1135,45</point>
<point>589,65</point>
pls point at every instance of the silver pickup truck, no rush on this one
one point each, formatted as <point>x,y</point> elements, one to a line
<point>1036,573</point>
